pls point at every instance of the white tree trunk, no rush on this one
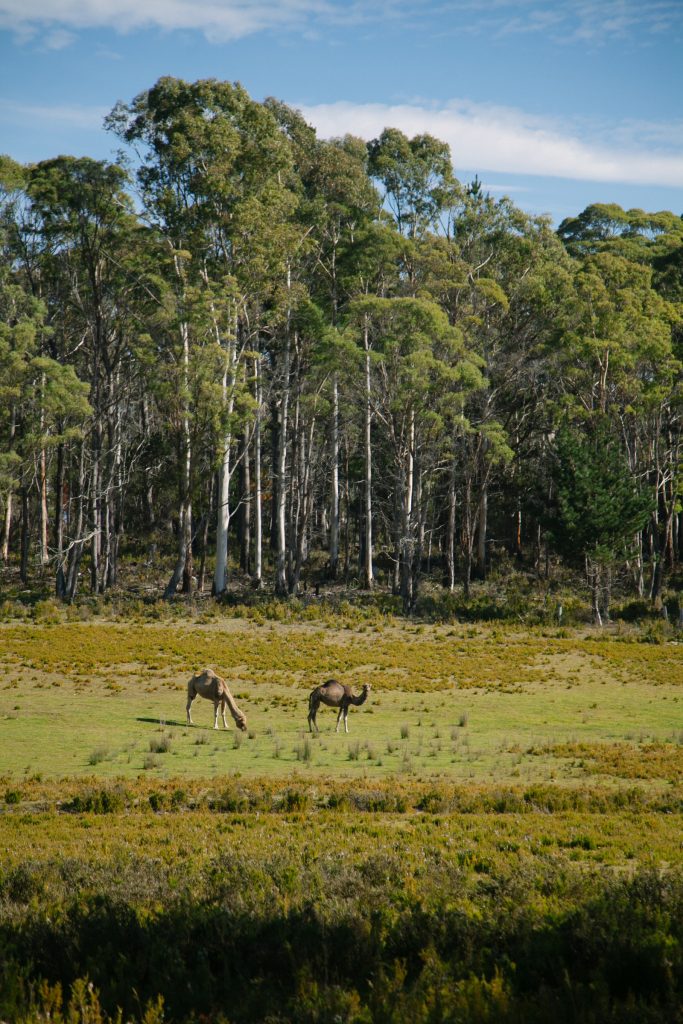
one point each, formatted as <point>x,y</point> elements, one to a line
<point>44,553</point>
<point>450,531</point>
<point>482,528</point>
<point>407,524</point>
<point>182,568</point>
<point>220,576</point>
<point>281,477</point>
<point>258,511</point>
<point>7,526</point>
<point>368,578</point>
<point>334,501</point>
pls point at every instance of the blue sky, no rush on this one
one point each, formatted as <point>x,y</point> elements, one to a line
<point>557,103</point>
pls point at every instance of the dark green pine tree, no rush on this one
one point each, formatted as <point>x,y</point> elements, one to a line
<point>598,506</point>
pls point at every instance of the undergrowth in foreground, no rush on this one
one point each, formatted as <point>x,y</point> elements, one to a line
<point>253,900</point>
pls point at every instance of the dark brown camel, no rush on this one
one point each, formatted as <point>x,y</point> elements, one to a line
<point>210,685</point>
<point>335,695</point>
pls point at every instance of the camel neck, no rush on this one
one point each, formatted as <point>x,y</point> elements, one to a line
<point>232,706</point>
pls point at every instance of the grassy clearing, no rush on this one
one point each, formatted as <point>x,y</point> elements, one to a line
<point>497,838</point>
<point>460,703</point>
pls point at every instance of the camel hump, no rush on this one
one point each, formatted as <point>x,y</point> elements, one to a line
<point>332,686</point>
<point>206,680</point>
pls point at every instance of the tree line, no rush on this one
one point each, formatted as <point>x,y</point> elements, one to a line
<point>261,345</point>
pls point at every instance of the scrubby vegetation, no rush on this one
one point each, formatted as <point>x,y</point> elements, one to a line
<point>320,902</point>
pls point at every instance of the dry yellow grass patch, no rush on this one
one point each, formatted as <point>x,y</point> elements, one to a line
<point>624,760</point>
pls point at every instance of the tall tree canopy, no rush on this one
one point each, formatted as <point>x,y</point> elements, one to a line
<point>250,350</point>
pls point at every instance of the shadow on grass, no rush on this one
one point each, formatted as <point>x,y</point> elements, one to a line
<point>175,722</point>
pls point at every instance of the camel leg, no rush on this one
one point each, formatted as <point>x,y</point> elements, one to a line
<point>223,706</point>
<point>346,719</point>
<point>187,709</point>
<point>215,713</point>
<point>341,710</point>
<point>313,711</point>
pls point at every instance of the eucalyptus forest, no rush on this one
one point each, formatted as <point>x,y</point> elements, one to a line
<point>246,346</point>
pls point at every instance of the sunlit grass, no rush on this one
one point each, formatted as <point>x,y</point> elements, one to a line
<point>459,703</point>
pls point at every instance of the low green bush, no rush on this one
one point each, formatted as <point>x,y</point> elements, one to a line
<point>100,801</point>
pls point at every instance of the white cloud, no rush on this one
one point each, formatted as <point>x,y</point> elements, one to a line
<point>40,116</point>
<point>483,139</point>
<point>218,19</point>
<point>58,40</point>
<point>503,140</point>
<point>562,21</point>
<point>572,21</point>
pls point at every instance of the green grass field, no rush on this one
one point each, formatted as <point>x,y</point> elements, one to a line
<point>498,838</point>
<point>460,703</point>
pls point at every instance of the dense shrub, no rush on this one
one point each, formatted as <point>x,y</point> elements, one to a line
<point>315,901</point>
<point>264,945</point>
<point>101,801</point>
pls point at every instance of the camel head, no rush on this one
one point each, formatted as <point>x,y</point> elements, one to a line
<point>241,723</point>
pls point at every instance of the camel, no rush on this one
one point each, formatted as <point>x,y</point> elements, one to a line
<point>210,685</point>
<point>335,695</point>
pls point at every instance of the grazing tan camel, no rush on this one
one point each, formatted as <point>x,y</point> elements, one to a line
<point>210,685</point>
<point>335,695</point>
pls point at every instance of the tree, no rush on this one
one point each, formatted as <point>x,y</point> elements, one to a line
<point>633,234</point>
<point>417,176</point>
<point>616,359</point>
<point>340,203</point>
<point>77,243</point>
<point>42,404</point>
<point>211,180</point>
<point>416,370</point>
<point>597,505</point>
